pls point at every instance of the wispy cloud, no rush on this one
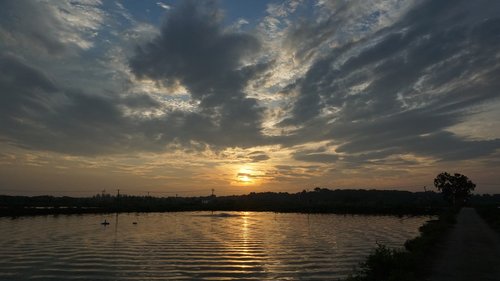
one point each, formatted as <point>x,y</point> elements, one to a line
<point>308,91</point>
<point>163,5</point>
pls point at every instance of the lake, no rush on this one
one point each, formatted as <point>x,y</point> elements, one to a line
<point>194,245</point>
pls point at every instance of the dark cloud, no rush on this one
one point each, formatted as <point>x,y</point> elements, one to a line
<point>40,114</point>
<point>286,173</point>
<point>305,35</point>
<point>315,155</point>
<point>393,92</point>
<point>33,24</point>
<point>140,101</point>
<point>22,89</point>
<point>195,50</point>
<point>258,156</point>
<point>401,88</point>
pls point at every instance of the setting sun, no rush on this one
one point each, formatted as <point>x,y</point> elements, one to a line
<point>245,176</point>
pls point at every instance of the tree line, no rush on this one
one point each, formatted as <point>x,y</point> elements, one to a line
<point>455,189</point>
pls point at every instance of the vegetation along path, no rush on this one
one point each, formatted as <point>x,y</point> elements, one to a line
<point>472,251</point>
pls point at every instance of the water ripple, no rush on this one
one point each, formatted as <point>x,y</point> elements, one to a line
<point>198,245</point>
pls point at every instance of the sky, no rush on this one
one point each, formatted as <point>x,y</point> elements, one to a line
<point>179,97</point>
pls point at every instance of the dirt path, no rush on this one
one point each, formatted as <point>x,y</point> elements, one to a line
<point>472,251</point>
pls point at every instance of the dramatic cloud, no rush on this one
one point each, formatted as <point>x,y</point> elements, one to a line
<point>54,28</point>
<point>315,155</point>
<point>286,94</point>
<point>45,115</point>
<point>406,84</point>
<point>258,156</point>
<point>38,113</point>
<point>214,65</point>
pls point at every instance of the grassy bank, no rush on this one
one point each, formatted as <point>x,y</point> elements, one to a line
<point>412,263</point>
<point>491,214</point>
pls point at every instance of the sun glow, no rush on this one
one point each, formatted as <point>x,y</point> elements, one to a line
<point>245,176</point>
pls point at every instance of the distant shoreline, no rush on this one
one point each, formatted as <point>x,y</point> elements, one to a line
<point>317,201</point>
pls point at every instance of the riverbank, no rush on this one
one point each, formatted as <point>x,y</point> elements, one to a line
<point>491,214</point>
<point>413,263</point>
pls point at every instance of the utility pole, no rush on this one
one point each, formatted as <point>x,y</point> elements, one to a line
<point>117,193</point>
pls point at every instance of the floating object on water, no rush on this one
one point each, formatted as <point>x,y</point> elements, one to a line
<point>134,222</point>
<point>105,222</point>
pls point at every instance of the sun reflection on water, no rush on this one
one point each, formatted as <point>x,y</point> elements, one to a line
<point>192,245</point>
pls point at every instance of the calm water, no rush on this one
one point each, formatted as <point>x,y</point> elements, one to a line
<point>194,245</point>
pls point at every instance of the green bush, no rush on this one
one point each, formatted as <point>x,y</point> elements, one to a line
<point>411,263</point>
<point>386,264</point>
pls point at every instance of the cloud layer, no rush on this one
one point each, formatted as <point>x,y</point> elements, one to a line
<point>399,89</point>
<point>215,65</point>
<point>334,84</point>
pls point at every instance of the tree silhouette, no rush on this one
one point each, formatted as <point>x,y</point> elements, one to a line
<point>456,188</point>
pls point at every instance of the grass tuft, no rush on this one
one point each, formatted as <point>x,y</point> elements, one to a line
<point>410,264</point>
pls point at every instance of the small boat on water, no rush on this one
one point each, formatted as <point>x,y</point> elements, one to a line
<point>105,222</point>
